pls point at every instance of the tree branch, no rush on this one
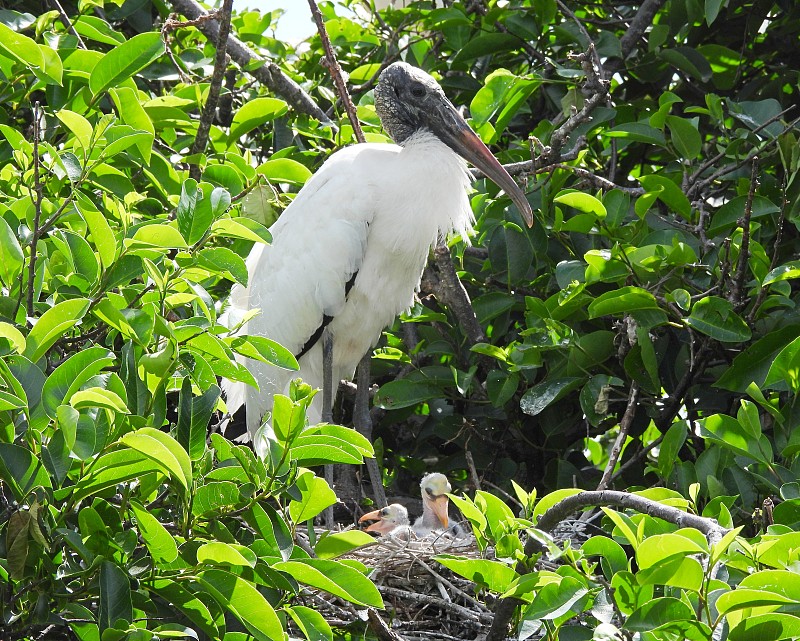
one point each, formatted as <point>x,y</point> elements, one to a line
<point>269,74</point>
<point>210,108</point>
<point>336,72</point>
<point>624,427</point>
<point>643,19</point>
<point>561,510</point>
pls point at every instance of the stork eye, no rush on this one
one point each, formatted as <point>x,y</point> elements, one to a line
<point>417,91</point>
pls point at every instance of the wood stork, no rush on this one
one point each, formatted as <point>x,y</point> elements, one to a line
<point>435,508</point>
<point>390,520</point>
<point>348,252</point>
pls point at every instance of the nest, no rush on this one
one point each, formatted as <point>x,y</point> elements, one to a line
<point>424,600</point>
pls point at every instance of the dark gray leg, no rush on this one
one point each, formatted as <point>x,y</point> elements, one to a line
<point>327,408</point>
<point>363,423</point>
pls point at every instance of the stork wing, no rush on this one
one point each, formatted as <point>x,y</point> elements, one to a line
<point>300,281</point>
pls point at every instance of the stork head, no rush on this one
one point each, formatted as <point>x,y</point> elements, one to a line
<point>409,100</point>
<point>435,488</point>
<point>386,519</point>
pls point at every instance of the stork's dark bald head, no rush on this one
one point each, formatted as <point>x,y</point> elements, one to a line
<point>404,99</point>
<point>408,100</point>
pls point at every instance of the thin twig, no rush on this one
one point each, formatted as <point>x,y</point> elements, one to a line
<point>68,23</point>
<point>210,108</point>
<point>737,291</point>
<point>762,294</point>
<point>473,472</point>
<point>265,71</point>
<point>466,614</point>
<point>38,187</point>
<point>624,428</point>
<point>336,72</point>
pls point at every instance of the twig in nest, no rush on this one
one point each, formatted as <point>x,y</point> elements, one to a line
<point>474,618</point>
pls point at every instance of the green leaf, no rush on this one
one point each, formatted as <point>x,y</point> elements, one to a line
<point>685,136</point>
<point>638,132</point>
<point>405,393</point>
<point>622,300</point>
<point>21,470</point>
<point>189,604</point>
<point>245,602</point>
<point>115,467</point>
<point>491,575</point>
<point>225,262</point>
<point>254,113</point>
<point>510,251</point>
<point>263,349</point>
<point>667,192</point>
<point>73,374</point>
<point>658,612</point>
<point>612,557</point>
<point>334,577</point>
<point>285,170</point>
<point>11,255</point>
<point>160,543</point>
<point>714,317</point>
<point>125,60</point>
<point>784,368</point>
<point>21,48</point>
<point>311,623</point>
<point>115,596</point>
<point>543,394</point>
<point>163,449</point>
<point>582,202</point>
<point>15,338</point>
<point>760,627</point>
<point>315,494</point>
<point>729,433</point>
<point>98,397</point>
<point>243,228</point>
<point>728,216</point>
<point>554,600</point>
<point>101,234</point>
<point>339,543</point>
<point>712,8</point>
<point>53,324</point>
<point>787,271</point>
<point>158,235</point>
<point>219,553</point>
<point>79,127</point>
<point>194,414</point>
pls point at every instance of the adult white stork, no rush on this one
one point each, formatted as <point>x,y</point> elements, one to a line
<point>348,252</point>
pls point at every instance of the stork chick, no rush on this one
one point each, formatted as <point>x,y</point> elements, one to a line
<point>390,520</point>
<point>435,507</point>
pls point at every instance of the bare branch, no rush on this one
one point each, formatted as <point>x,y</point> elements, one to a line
<point>737,291</point>
<point>269,74</point>
<point>641,21</point>
<point>210,108</point>
<point>624,427</point>
<point>561,510</point>
<point>38,187</point>
<point>336,72</point>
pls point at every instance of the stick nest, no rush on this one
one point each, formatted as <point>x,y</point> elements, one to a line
<point>423,599</point>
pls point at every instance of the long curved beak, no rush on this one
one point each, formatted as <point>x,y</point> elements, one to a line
<point>454,131</point>
<point>439,506</point>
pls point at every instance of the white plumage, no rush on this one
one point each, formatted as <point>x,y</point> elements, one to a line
<point>372,211</point>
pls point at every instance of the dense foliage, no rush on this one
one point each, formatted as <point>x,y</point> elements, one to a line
<point>643,331</point>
